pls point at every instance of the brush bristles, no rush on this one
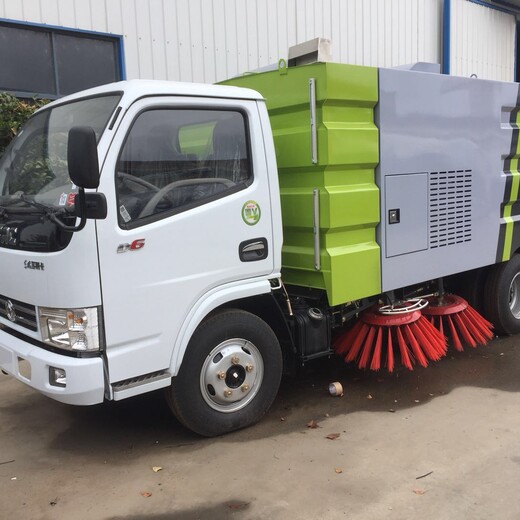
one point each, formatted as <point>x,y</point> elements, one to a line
<point>463,327</point>
<point>417,339</point>
<point>416,343</point>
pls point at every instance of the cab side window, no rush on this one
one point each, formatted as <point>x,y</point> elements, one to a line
<point>177,159</point>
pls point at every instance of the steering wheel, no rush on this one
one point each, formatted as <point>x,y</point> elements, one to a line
<point>154,201</point>
<point>126,177</point>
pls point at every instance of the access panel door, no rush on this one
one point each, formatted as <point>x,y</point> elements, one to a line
<point>190,213</point>
<point>406,198</point>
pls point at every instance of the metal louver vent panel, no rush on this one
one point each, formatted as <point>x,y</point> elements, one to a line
<point>450,207</point>
<point>25,313</point>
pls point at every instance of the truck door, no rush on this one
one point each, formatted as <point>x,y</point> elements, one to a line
<point>189,211</point>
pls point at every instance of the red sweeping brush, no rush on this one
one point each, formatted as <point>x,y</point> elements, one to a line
<point>374,334</point>
<point>452,315</point>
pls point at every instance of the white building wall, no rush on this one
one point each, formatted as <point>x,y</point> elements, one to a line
<point>482,41</point>
<point>210,40</point>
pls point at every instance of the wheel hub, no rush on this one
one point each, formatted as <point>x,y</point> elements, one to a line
<point>231,375</point>
<point>235,376</point>
<point>514,296</point>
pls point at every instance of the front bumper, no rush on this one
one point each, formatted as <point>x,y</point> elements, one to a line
<point>30,365</point>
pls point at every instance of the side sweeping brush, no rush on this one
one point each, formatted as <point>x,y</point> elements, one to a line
<point>453,316</point>
<point>378,335</point>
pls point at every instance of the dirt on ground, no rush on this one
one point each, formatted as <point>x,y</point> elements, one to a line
<point>436,443</point>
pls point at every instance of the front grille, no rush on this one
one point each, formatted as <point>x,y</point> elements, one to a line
<point>450,215</point>
<point>25,313</point>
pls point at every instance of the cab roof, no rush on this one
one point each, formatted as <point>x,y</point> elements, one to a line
<point>138,88</point>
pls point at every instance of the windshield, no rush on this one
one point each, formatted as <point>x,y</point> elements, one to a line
<point>34,166</point>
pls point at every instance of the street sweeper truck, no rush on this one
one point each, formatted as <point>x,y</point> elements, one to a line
<point>205,239</point>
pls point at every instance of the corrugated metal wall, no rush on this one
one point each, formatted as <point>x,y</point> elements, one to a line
<point>210,40</point>
<point>482,41</point>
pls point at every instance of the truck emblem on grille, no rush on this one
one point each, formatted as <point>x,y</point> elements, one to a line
<point>9,309</point>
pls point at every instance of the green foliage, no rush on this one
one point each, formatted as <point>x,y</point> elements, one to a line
<point>13,113</point>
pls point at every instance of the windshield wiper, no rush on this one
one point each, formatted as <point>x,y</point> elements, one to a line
<point>12,207</point>
<point>51,213</point>
<point>6,210</point>
<point>45,209</point>
<point>55,215</point>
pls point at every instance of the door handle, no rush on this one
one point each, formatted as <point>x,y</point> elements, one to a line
<point>253,250</point>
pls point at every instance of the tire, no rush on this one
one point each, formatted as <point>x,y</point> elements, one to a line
<point>229,376</point>
<point>502,296</point>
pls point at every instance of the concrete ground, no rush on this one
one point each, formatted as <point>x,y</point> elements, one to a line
<point>440,443</point>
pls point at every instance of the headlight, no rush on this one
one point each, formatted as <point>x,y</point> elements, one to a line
<point>70,329</point>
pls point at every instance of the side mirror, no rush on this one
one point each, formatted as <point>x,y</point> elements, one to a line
<point>94,206</point>
<point>82,157</point>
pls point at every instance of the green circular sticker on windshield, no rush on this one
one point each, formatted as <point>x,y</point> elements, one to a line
<point>251,212</point>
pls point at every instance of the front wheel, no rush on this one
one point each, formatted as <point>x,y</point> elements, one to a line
<point>502,296</point>
<point>229,376</point>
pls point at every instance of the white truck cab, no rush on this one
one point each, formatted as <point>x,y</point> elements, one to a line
<point>175,187</point>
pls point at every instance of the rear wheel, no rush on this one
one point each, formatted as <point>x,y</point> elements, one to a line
<point>229,376</point>
<point>502,296</point>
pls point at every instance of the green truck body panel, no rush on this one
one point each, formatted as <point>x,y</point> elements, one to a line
<point>347,155</point>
